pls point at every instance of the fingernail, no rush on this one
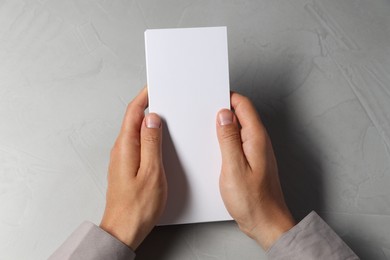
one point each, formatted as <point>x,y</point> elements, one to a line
<point>225,117</point>
<point>153,121</point>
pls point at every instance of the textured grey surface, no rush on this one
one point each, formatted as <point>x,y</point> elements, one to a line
<point>318,72</point>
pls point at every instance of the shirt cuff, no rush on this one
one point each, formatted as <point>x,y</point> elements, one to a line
<point>311,238</point>
<point>89,241</point>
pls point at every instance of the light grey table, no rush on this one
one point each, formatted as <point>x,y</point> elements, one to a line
<point>318,72</point>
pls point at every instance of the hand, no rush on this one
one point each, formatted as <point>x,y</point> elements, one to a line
<point>249,181</point>
<point>137,187</point>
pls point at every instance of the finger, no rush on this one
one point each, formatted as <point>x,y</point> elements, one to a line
<point>135,113</point>
<point>253,134</point>
<point>128,141</point>
<point>229,140</point>
<point>151,139</point>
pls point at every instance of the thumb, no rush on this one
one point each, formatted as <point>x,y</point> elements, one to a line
<point>151,139</point>
<point>229,139</point>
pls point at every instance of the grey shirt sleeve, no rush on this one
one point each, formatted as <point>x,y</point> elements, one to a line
<point>88,242</point>
<point>311,238</point>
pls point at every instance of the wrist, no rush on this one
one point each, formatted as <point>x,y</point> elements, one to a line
<point>269,229</point>
<point>129,235</point>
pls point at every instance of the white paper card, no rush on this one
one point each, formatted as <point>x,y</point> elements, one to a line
<point>188,83</point>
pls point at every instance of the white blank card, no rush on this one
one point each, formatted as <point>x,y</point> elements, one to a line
<point>188,83</point>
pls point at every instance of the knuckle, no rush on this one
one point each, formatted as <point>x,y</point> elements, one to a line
<point>135,110</point>
<point>260,136</point>
<point>123,145</point>
<point>245,99</point>
<point>151,171</point>
<point>152,168</point>
<point>152,139</point>
<point>114,149</point>
<point>116,152</point>
<point>129,107</point>
<point>231,135</point>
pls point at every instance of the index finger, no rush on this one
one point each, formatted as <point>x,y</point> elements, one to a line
<point>253,133</point>
<point>128,142</point>
<point>135,113</point>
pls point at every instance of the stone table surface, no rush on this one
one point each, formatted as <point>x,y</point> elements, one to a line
<point>318,72</point>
